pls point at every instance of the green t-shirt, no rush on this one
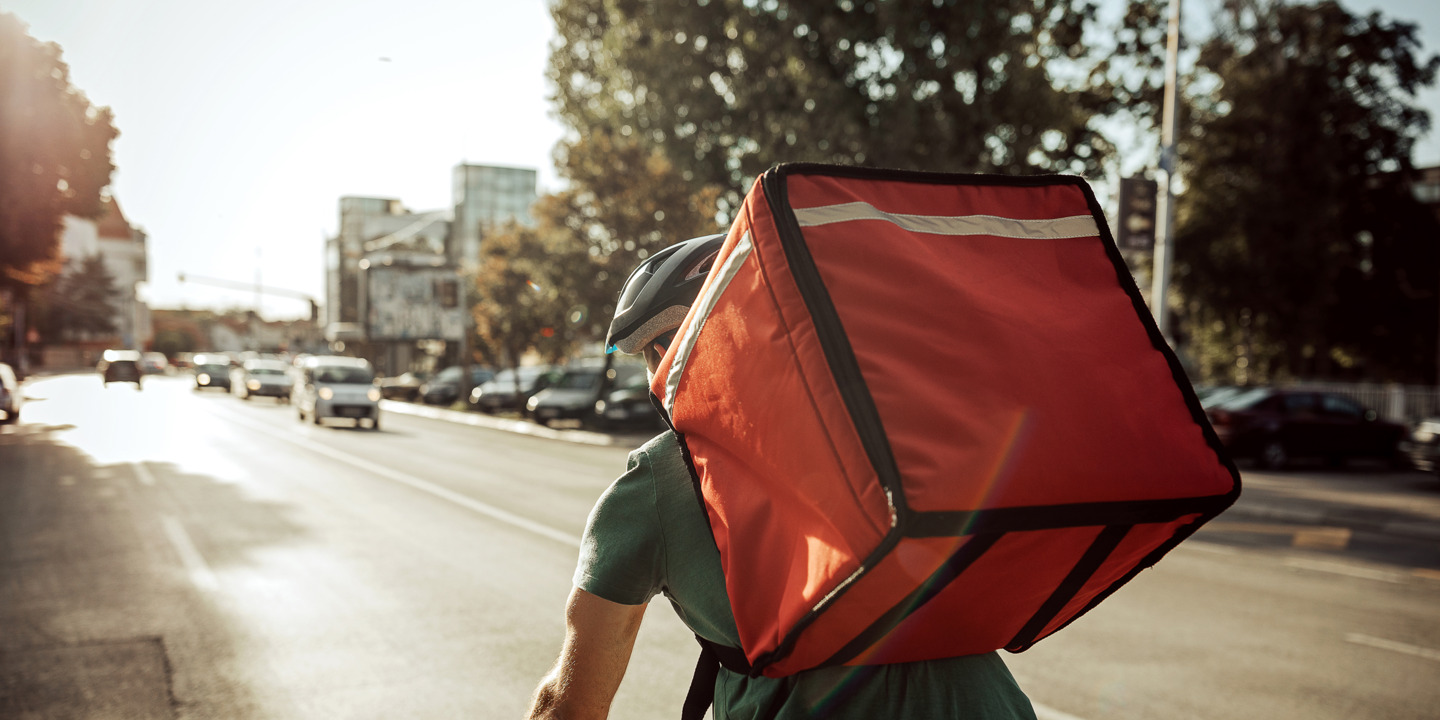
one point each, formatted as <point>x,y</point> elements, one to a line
<point>648,534</point>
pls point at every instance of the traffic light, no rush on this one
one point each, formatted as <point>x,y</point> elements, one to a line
<point>1136,228</point>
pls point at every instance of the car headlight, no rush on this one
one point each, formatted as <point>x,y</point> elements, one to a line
<point>203,378</point>
<point>475,395</point>
<point>253,384</point>
<point>373,394</point>
<point>532,403</point>
<point>326,393</point>
<point>599,406</point>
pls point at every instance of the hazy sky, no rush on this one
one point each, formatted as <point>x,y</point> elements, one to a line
<point>242,124</point>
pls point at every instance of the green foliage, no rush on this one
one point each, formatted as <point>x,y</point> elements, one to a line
<point>1297,249</point>
<point>78,305</point>
<point>623,203</point>
<point>727,88</point>
<point>54,153</point>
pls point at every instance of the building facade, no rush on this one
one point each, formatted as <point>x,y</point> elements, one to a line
<point>122,248</point>
<point>394,285</point>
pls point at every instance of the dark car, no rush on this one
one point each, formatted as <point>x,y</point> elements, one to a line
<point>1423,446</point>
<point>120,366</point>
<point>573,395</point>
<point>444,388</point>
<point>511,388</point>
<point>1275,426</point>
<point>10,398</point>
<point>212,371</point>
<point>627,408</point>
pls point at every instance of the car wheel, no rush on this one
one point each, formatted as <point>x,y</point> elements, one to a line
<point>1273,455</point>
<point>316,417</point>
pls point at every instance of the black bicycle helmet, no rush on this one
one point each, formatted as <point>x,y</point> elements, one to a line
<point>659,293</point>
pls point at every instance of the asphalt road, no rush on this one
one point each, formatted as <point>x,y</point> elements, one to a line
<point>168,553</point>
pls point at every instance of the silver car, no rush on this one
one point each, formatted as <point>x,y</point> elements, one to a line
<point>330,386</point>
<point>264,377</point>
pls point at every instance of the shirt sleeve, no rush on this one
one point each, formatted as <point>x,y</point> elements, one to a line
<point>621,551</point>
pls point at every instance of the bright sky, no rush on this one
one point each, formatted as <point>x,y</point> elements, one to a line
<point>242,124</point>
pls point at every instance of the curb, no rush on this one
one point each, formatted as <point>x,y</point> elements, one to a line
<point>520,427</point>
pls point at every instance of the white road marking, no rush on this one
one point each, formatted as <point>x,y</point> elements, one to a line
<point>1383,644</point>
<point>1043,712</point>
<point>190,557</point>
<point>143,474</point>
<point>469,503</point>
<point>1346,569</point>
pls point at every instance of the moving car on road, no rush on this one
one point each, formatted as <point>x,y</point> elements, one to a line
<point>9,395</point>
<point>405,386</point>
<point>120,366</point>
<point>1423,446</point>
<point>337,387</point>
<point>1275,426</point>
<point>574,394</point>
<point>212,371</point>
<point>264,377</point>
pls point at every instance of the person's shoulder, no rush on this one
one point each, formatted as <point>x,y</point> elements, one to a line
<point>660,448</point>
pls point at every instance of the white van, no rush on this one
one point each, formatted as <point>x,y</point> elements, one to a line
<point>335,386</point>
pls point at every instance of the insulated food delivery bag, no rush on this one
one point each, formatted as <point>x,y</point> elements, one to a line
<point>929,415</point>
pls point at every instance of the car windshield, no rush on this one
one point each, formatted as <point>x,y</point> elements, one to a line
<point>266,371</point>
<point>343,375</point>
<point>213,368</point>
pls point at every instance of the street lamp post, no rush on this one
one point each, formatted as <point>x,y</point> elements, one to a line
<point>1165,215</point>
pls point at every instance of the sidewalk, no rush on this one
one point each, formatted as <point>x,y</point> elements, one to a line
<point>522,427</point>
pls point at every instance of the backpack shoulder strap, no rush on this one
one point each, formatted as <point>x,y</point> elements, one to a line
<point>707,670</point>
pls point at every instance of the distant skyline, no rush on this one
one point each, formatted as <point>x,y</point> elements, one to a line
<point>242,125</point>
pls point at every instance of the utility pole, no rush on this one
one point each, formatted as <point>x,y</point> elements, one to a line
<point>1165,238</point>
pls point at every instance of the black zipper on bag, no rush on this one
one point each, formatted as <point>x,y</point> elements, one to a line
<point>845,370</point>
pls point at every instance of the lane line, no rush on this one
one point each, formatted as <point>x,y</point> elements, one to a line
<point>1383,644</point>
<point>1044,712</point>
<point>190,557</point>
<point>490,511</point>
<point>1345,569</point>
<point>143,474</point>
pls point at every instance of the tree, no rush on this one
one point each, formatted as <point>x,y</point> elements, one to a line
<point>1292,250</point>
<point>554,286</point>
<point>54,153</point>
<point>79,304</point>
<point>726,88</point>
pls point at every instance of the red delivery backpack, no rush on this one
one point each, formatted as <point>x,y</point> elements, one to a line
<point>929,415</point>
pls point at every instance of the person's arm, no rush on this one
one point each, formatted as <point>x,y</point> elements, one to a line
<point>599,636</point>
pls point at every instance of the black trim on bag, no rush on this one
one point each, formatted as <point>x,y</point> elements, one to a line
<point>1049,517</point>
<point>1095,556</point>
<point>961,559</point>
<point>845,371</point>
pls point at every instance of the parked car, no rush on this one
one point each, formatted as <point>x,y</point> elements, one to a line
<point>1275,426</point>
<point>331,386</point>
<point>1213,395</point>
<point>405,386</point>
<point>266,378</point>
<point>511,388</point>
<point>444,388</point>
<point>10,398</point>
<point>1423,445</point>
<point>120,366</point>
<point>212,371</point>
<point>627,407</point>
<point>573,395</point>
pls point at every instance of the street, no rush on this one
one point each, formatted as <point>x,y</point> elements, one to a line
<point>173,553</point>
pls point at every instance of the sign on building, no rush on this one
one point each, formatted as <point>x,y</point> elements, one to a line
<point>410,303</point>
